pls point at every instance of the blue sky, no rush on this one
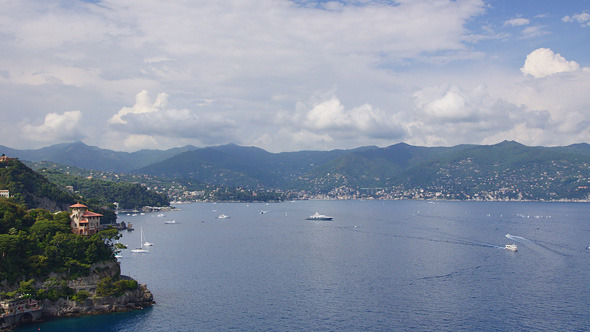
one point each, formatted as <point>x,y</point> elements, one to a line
<point>292,75</point>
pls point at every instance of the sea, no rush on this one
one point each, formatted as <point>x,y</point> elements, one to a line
<point>377,266</point>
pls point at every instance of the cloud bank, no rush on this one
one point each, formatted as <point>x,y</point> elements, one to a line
<point>290,75</point>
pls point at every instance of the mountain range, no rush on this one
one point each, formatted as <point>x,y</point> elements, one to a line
<point>545,171</point>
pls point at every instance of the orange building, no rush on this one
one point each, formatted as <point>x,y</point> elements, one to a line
<point>84,222</point>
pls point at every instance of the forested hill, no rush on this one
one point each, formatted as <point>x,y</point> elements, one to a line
<point>31,189</point>
<point>103,193</point>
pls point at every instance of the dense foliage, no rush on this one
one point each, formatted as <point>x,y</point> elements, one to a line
<point>36,242</point>
<point>108,287</point>
<point>101,193</point>
<point>31,189</point>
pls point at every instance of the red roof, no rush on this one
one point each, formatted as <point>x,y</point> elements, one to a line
<point>78,205</point>
<point>83,221</point>
<point>91,214</point>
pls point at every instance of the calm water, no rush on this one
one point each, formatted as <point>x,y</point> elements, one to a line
<point>398,265</point>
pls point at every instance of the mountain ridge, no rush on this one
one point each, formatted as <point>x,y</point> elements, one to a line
<point>465,169</point>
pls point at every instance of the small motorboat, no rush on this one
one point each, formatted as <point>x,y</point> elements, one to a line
<point>318,216</point>
<point>223,216</point>
<point>511,247</point>
<point>170,221</point>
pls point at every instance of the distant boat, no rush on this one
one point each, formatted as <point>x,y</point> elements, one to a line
<point>160,215</point>
<point>170,221</point>
<point>222,216</point>
<point>140,249</point>
<point>318,216</point>
<point>118,256</point>
<point>263,212</point>
<point>511,247</point>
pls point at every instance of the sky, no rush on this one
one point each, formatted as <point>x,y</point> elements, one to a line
<point>291,75</point>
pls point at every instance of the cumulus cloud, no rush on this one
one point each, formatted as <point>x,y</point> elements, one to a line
<point>143,104</point>
<point>448,114</point>
<point>543,62</point>
<point>56,128</point>
<point>147,120</point>
<point>582,18</point>
<point>329,116</point>
<point>450,103</point>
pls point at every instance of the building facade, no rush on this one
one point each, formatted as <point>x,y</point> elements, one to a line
<point>84,222</point>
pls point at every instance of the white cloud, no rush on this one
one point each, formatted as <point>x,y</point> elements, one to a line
<point>150,121</point>
<point>329,116</point>
<point>543,62</point>
<point>56,128</point>
<point>232,71</point>
<point>143,104</point>
<point>516,22</point>
<point>582,18</point>
<point>449,114</point>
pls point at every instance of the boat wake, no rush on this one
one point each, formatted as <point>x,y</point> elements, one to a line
<point>447,240</point>
<point>517,238</point>
<point>536,245</point>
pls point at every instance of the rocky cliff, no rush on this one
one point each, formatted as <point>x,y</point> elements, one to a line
<point>132,300</point>
<point>135,299</point>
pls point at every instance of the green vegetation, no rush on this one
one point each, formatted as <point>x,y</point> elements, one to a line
<point>108,287</point>
<point>31,189</point>
<point>36,242</point>
<point>103,193</point>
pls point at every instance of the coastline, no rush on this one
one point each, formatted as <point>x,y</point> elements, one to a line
<point>135,299</point>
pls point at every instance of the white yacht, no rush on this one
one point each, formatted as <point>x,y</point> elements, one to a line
<point>511,247</point>
<point>170,221</point>
<point>222,216</point>
<point>318,216</point>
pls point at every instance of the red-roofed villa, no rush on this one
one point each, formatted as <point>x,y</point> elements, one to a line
<point>84,222</point>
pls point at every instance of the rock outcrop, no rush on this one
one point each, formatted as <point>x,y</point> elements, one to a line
<point>138,298</point>
<point>132,300</point>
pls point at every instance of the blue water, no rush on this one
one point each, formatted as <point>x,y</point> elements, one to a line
<point>393,265</point>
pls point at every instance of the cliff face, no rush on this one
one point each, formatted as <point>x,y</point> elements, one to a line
<point>132,300</point>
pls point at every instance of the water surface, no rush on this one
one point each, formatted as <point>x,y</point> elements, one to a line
<point>379,265</point>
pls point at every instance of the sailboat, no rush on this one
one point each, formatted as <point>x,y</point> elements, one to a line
<point>146,243</point>
<point>140,249</point>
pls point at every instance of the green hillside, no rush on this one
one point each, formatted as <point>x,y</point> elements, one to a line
<point>31,189</point>
<point>104,193</point>
<point>509,167</point>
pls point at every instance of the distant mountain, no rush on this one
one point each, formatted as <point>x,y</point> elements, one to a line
<point>465,170</point>
<point>233,165</point>
<point>209,165</point>
<point>90,157</point>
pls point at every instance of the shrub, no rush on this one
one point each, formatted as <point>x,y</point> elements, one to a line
<point>81,296</point>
